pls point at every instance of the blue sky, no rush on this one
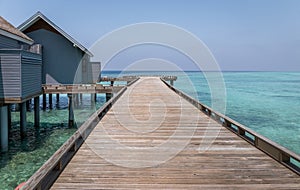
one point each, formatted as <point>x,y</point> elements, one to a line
<point>242,34</point>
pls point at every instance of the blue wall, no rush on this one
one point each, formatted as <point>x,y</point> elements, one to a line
<point>6,43</point>
<point>60,58</point>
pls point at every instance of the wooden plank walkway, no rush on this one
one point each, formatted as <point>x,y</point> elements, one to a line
<point>140,144</point>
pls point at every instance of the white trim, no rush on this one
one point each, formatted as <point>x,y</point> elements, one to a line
<point>15,37</point>
<point>38,15</point>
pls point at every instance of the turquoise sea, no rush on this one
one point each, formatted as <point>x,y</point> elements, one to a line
<point>267,102</point>
<point>27,156</point>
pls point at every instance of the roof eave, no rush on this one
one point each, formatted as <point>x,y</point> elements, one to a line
<point>38,15</point>
<point>15,37</point>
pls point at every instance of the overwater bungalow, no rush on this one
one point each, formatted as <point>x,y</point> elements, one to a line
<point>63,56</point>
<point>20,75</point>
<point>37,53</point>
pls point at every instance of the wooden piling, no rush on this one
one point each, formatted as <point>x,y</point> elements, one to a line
<point>108,96</point>
<point>57,98</point>
<point>50,101</point>
<point>28,105</point>
<point>80,98</point>
<point>71,111</point>
<point>23,119</point>
<point>93,100</point>
<point>4,128</point>
<point>44,101</point>
<point>9,116</point>
<point>37,111</point>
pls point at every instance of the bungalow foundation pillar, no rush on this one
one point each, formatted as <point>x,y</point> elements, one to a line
<point>23,119</point>
<point>71,111</point>
<point>4,128</point>
<point>37,111</point>
<point>44,102</point>
<point>50,101</point>
<point>9,116</point>
<point>109,96</point>
<point>57,98</point>
<point>76,100</point>
<point>28,105</point>
<point>93,99</point>
<point>80,98</point>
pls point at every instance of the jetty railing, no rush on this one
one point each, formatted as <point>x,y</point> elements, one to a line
<point>130,78</point>
<point>48,173</point>
<point>281,154</point>
<point>79,88</point>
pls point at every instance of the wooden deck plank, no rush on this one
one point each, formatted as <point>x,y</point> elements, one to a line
<point>146,116</point>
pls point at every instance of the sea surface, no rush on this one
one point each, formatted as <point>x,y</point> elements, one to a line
<point>27,156</point>
<point>267,102</point>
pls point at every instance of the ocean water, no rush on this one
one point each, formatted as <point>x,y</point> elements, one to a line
<point>27,156</point>
<point>267,102</point>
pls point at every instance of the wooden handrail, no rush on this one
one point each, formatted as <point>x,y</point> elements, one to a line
<point>51,169</point>
<point>133,81</point>
<point>274,150</point>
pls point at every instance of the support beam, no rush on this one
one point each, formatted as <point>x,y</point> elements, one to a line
<point>50,101</point>
<point>37,112</point>
<point>171,82</point>
<point>4,128</point>
<point>44,101</point>
<point>71,111</point>
<point>23,119</point>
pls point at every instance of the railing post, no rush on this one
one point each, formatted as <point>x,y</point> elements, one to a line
<point>284,158</point>
<point>241,131</point>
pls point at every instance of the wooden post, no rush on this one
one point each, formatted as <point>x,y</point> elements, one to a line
<point>23,119</point>
<point>50,101</point>
<point>37,111</point>
<point>111,83</point>
<point>71,111</point>
<point>108,96</point>
<point>171,82</point>
<point>4,128</point>
<point>57,98</point>
<point>92,99</point>
<point>76,100</point>
<point>95,97</point>
<point>44,102</point>
<point>28,106</point>
<point>9,116</point>
<point>80,98</point>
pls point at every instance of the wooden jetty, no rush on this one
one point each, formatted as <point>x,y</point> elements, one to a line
<point>238,158</point>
